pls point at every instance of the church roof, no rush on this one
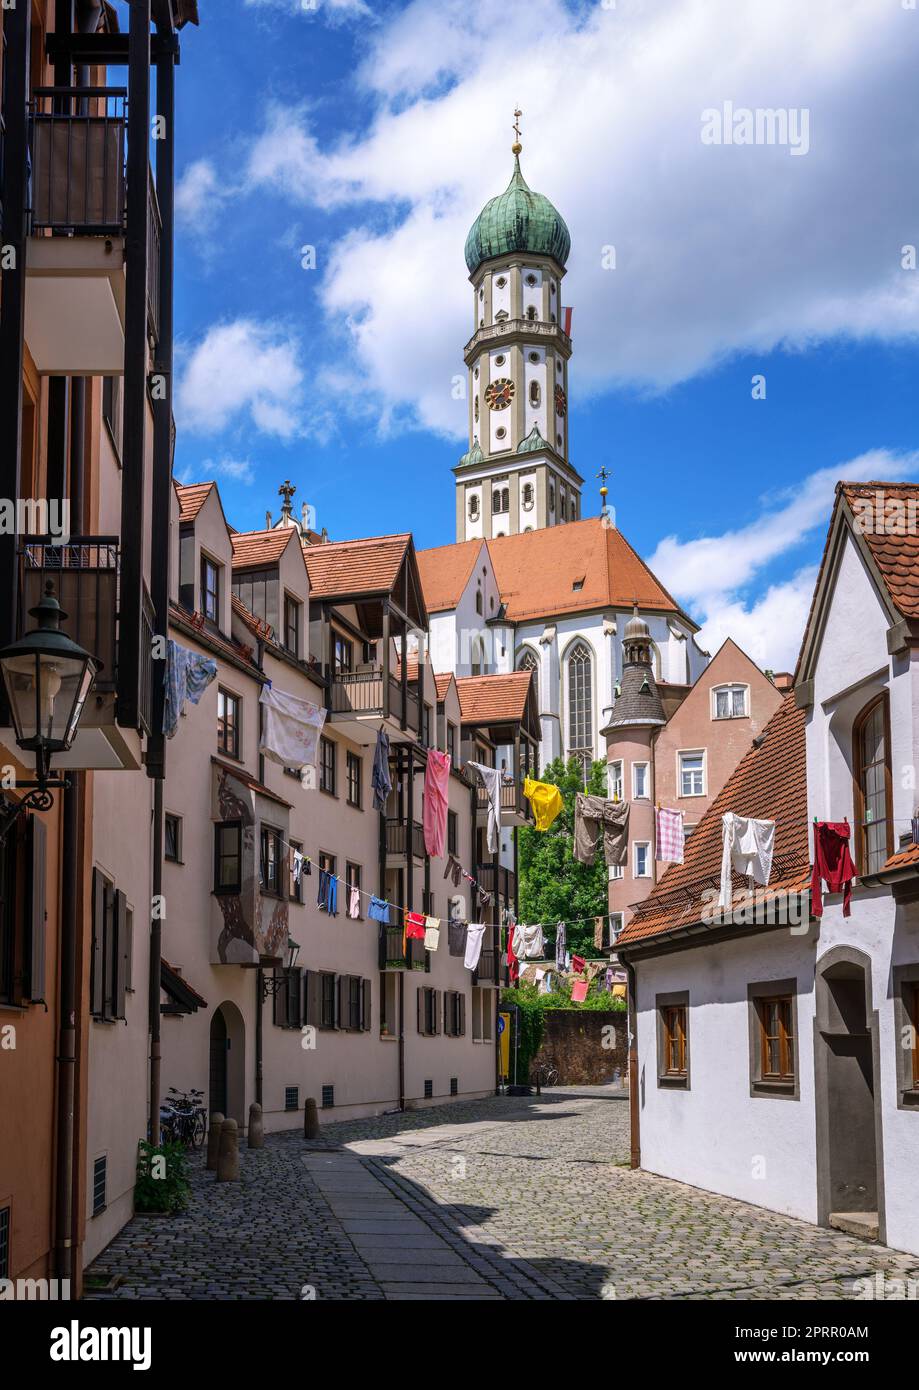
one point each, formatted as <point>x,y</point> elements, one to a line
<point>576,567</point>
<point>517,220</point>
<point>445,572</point>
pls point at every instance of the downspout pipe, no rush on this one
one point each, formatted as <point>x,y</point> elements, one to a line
<point>634,1106</point>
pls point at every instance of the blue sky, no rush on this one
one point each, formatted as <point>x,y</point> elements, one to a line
<point>374,132</point>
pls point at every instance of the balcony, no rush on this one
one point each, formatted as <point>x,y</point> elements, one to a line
<point>396,836</point>
<point>398,954</point>
<point>84,572</point>
<point>505,886</point>
<point>357,701</point>
<point>515,809</point>
<point>518,330</point>
<point>75,269</point>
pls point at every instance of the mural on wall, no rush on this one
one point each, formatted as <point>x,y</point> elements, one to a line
<point>241,933</point>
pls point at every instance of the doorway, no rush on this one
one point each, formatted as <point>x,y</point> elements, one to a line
<point>849,1170</point>
<point>226,1072</point>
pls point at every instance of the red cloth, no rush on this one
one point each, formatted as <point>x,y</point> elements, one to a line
<point>832,865</point>
<point>579,991</point>
<point>436,801</point>
<point>513,965</point>
<point>414,926</point>
<point>577,964</point>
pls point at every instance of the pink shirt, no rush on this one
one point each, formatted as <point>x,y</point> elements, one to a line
<point>436,802</point>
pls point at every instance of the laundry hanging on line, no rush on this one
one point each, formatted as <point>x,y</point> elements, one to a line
<point>669,835</point>
<point>747,847</point>
<point>833,865</point>
<point>436,802</point>
<point>290,728</point>
<point>546,801</point>
<point>595,816</point>
<point>186,677</point>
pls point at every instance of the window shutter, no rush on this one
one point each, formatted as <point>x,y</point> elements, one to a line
<point>344,1017</point>
<point>97,987</point>
<point>313,995</point>
<point>120,952</point>
<point>437,1008</point>
<point>37,842</point>
<point>366,1017</point>
<point>279,1001</point>
<point>461,1029</point>
<point>294,999</point>
<point>448,995</point>
<point>421,1008</point>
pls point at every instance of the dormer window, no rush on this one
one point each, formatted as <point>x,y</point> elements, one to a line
<point>730,701</point>
<point>210,589</point>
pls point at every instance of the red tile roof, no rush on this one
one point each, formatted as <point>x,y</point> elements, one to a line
<point>263,631</point>
<point>896,555</point>
<point>368,566</point>
<point>250,781</point>
<point>445,572</point>
<point>904,858</point>
<point>442,682</point>
<point>260,547</point>
<point>193,625</point>
<point>493,699</point>
<point>192,497</point>
<point>768,783</point>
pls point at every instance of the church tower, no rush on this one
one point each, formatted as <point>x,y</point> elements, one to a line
<point>516,475</point>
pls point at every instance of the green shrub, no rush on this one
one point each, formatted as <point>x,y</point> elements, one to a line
<point>533,1008</point>
<point>162,1177</point>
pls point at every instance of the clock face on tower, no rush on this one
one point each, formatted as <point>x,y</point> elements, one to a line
<point>561,401</point>
<point>500,393</point>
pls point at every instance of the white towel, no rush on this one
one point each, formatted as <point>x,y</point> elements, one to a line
<point>431,933</point>
<point>290,728</point>
<point>747,846</point>
<point>474,933</point>
<point>492,780</point>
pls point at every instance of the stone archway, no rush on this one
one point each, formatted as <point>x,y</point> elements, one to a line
<point>227,1068</point>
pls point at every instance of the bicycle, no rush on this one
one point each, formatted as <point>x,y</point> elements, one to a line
<point>183,1119</point>
<point>547,1074</point>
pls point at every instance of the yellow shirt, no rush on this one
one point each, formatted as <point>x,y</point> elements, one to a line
<point>546,801</point>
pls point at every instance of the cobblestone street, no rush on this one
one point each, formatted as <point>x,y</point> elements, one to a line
<point>501,1198</point>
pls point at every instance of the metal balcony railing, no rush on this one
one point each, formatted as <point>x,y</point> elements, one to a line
<point>512,799</point>
<point>361,693</point>
<point>84,572</point>
<point>396,835</point>
<point>505,884</point>
<point>77,146</point>
<point>398,954</point>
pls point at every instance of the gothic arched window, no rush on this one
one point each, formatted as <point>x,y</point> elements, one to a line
<point>529,661</point>
<point>534,393</point>
<point>478,657</point>
<point>580,705</point>
<point>527,495</point>
<point>473,507</point>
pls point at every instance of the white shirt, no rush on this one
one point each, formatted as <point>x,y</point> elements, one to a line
<point>747,846</point>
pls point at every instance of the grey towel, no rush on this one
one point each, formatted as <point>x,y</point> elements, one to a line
<point>456,938</point>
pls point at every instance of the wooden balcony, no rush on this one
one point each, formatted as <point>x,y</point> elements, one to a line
<point>505,885</point>
<point>515,809</point>
<point>357,701</point>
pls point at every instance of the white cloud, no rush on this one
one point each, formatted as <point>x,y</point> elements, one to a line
<point>334,11</point>
<point>200,194</point>
<point>719,250</point>
<point>243,372</point>
<point>709,574</point>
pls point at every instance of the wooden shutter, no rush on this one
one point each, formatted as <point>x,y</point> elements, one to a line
<point>343,993</point>
<point>120,952</point>
<point>437,1009</point>
<point>421,1008</point>
<point>448,1028</point>
<point>461,1022</point>
<point>36,850</point>
<point>279,1000</point>
<point>366,1017</point>
<point>294,994</point>
<point>312,993</point>
<point>97,988</point>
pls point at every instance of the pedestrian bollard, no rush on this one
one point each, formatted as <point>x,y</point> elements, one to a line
<point>228,1157</point>
<point>256,1133</point>
<point>213,1141</point>
<point>310,1119</point>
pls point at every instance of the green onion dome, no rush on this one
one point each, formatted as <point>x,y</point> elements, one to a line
<point>517,220</point>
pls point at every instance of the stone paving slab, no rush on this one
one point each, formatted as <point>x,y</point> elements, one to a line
<point>504,1198</point>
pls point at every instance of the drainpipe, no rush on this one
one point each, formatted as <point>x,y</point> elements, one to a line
<point>634,1108</point>
<point>259,974</point>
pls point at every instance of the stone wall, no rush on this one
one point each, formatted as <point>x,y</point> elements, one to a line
<point>573,1041</point>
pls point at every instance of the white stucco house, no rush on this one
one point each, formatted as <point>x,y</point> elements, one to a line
<point>775,1053</point>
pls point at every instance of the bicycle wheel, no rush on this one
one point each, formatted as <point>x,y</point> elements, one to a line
<point>200,1129</point>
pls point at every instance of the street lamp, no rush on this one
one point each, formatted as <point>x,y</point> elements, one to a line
<point>47,679</point>
<point>271,984</point>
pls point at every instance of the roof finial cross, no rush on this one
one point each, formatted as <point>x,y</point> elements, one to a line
<point>604,490</point>
<point>517,147</point>
<point>286,490</point>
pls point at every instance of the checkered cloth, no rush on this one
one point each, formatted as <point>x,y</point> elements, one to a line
<point>670,838</point>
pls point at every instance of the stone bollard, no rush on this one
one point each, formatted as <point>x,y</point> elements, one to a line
<point>228,1157</point>
<point>256,1133</point>
<point>213,1141</point>
<point>310,1119</point>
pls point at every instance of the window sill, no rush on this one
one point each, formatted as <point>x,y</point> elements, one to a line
<point>267,893</point>
<point>775,1090</point>
<point>355,805</point>
<point>325,792</point>
<point>233,757</point>
<point>909,1099</point>
<point>674,1083</point>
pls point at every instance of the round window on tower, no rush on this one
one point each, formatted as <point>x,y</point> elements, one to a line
<point>500,360</point>
<point>501,432</point>
<point>558,440</point>
<point>534,356</point>
<point>531,280</point>
<point>501,281</point>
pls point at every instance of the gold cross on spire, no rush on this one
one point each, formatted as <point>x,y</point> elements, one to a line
<point>517,147</point>
<point>604,490</point>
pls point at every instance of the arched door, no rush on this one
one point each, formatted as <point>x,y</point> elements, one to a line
<point>217,1085</point>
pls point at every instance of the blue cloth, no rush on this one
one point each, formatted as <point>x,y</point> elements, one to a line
<point>379,910</point>
<point>380,779</point>
<point>188,674</point>
<point>327,896</point>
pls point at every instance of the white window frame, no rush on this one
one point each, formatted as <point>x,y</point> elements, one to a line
<point>732,686</point>
<point>691,753</point>
<point>611,778</point>
<point>615,873</point>
<point>636,846</point>
<point>646,794</point>
<point>616,925</point>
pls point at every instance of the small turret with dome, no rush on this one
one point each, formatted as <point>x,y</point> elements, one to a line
<point>638,703</point>
<point>516,475</point>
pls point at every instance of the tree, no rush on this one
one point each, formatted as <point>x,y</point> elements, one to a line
<point>554,886</point>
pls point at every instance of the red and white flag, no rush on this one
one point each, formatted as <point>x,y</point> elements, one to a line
<point>566,319</point>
